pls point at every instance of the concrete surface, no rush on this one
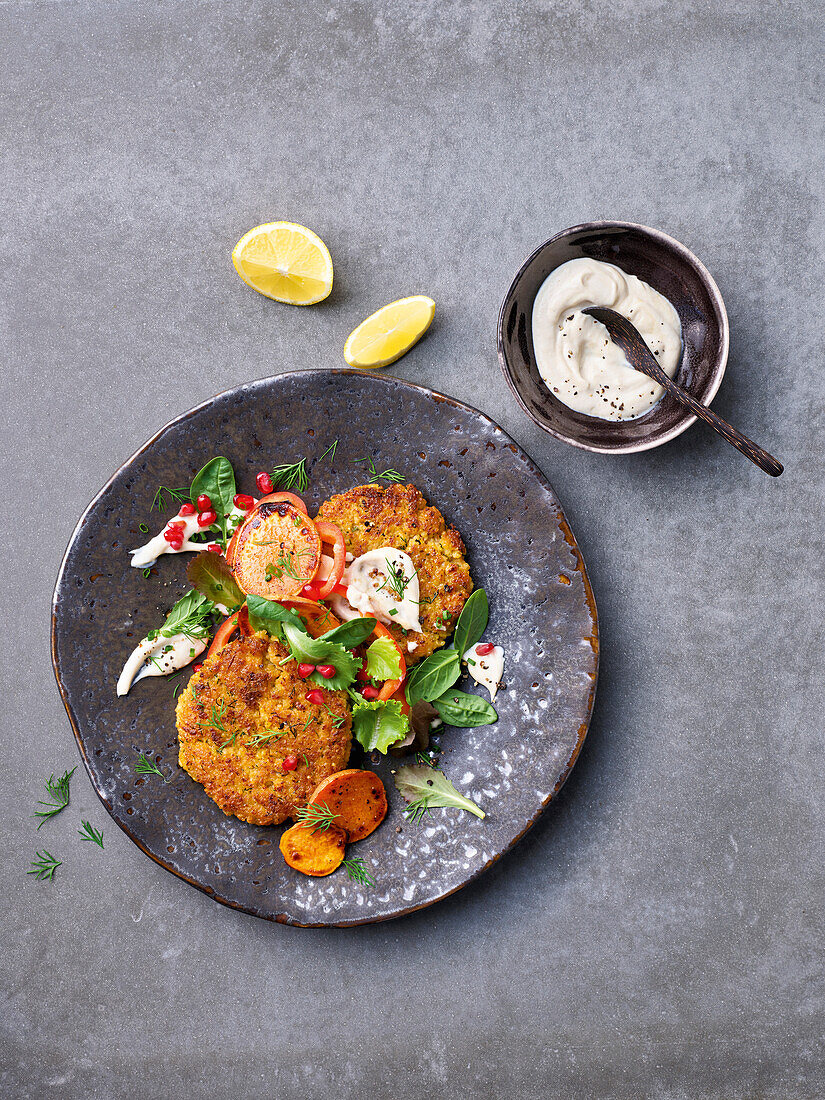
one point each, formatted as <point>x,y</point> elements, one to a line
<point>660,933</point>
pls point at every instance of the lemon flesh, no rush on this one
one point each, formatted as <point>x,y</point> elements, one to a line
<point>389,333</point>
<point>286,262</point>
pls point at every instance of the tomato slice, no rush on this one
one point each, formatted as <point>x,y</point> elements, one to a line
<point>238,620</point>
<point>290,498</point>
<point>332,533</point>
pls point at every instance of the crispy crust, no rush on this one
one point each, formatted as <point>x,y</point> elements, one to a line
<point>245,688</point>
<point>372,516</point>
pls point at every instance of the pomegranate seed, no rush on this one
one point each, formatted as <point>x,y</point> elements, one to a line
<point>187,509</point>
<point>327,671</point>
<point>316,697</point>
<point>370,692</point>
<point>197,668</point>
<point>305,670</point>
<point>204,503</point>
<point>243,502</point>
<point>264,482</point>
<point>215,547</point>
<point>179,523</point>
<point>206,519</point>
<point>362,674</point>
<point>290,763</point>
<point>485,649</point>
<point>173,535</point>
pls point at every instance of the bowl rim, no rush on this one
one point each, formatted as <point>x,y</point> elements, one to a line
<point>631,447</point>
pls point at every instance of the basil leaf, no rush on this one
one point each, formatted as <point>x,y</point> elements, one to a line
<point>190,616</point>
<point>318,651</point>
<point>471,622</point>
<point>434,676</point>
<point>383,661</point>
<point>209,574</point>
<point>457,708</point>
<point>269,615</point>
<point>352,633</point>
<point>217,481</point>
<point>377,725</point>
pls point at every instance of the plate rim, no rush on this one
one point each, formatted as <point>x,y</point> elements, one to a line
<point>595,642</point>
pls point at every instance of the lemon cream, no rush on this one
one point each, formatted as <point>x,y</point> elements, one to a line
<point>575,356</point>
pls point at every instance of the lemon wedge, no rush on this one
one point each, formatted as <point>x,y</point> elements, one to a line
<point>286,262</point>
<point>389,333</point>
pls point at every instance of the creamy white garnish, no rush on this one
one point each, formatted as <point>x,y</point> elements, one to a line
<point>575,356</point>
<point>149,553</point>
<point>158,657</point>
<point>486,670</point>
<point>371,590</point>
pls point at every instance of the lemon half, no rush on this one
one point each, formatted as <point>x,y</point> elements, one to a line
<point>286,262</point>
<point>389,333</point>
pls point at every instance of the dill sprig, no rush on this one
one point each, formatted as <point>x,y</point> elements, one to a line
<point>216,722</point>
<point>416,810</point>
<point>387,475</point>
<point>288,475</point>
<point>179,495</point>
<point>357,871</point>
<point>317,816</point>
<point>45,865</point>
<point>331,449</point>
<point>88,832</point>
<point>145,766</point>
<point>58,790</point>
<point>284,563</point>
<point>395,580</point>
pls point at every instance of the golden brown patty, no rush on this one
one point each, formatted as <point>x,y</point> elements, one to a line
<point>243,692</point>
<point>371,516</point>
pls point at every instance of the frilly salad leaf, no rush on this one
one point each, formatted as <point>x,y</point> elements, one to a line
<point>424,787</point>
<point>209,574</point>
<point>377,725</point>
<point>383,661</point>
<point>471,622</point>
<point>319,651</point>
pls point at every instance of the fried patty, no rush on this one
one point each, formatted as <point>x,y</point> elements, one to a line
<point>242,693</point>
<point>372,516</point>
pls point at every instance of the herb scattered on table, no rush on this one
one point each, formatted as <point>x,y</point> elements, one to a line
<point>145,766</point>
<point>177,495</point>
<point>387,475</point>
<point>357,871</point>
<point>58,790</point>
<point>331,449</point>
<point>45,865</point>
<point>289,475</point>
<point>88,832</point>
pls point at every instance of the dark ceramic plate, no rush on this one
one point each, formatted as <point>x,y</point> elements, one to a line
<point>520,549</point>
<point>668,267</point>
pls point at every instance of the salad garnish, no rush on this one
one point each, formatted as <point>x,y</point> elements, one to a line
<point>45,865</point>
<point>425,787</point>
<point>291,475</point>
<point>357,870</point>
<point>145,766</point>
<point>89,832</point>
<point>58,791</point>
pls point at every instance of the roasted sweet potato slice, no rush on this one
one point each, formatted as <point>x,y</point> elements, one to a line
<point>357,797</point>
<point>314,853</point>
<point>275,551</point>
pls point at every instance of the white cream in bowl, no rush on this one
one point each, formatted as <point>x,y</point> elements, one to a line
<point>575,356</point>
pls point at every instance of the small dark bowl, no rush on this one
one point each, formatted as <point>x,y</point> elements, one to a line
<point>669,268</point>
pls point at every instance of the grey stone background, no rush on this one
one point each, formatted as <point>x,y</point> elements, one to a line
<point>659,934</point>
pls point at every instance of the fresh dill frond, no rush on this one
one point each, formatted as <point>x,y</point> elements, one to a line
<point>331,449</point>
<point>395,580</point>
<point>416,810</point>
<point>145,766</point>
<point>317,816</point>
<point>386,475</point>
<point>265,737</point>
<point>58,791</point>
<point>289,475</point>
<point>88,832</point>
<point>45,865</point>
<point>179,495</point>
<point>357,871</point>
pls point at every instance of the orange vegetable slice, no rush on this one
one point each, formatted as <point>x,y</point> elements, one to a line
<point>314,853</point>
<point>275,551</point>
<point>357,797</point>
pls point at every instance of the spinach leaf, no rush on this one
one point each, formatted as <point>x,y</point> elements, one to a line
<point>209,574</point>
<point>471,622</point>
<point>434,676</point>
<point>377,725</point>
<point>383,662</point>
<point>217,481</point>
<point>352,633</point>
<point>457,708</point>
<point>269,615</point>
<point>318,651</point>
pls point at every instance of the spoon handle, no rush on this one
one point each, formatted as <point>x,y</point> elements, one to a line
<point>741,442</point>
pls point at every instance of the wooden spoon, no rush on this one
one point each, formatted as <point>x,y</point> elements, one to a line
<point>642,359</point>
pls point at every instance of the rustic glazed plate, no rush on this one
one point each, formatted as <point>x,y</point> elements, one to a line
<point>520,549</point>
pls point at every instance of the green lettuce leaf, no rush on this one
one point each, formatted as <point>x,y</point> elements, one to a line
<point>383,661</point>
<point>471,622</point>
<point>318,651</point>
<point>377,725</point>
<point>424,787</point>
